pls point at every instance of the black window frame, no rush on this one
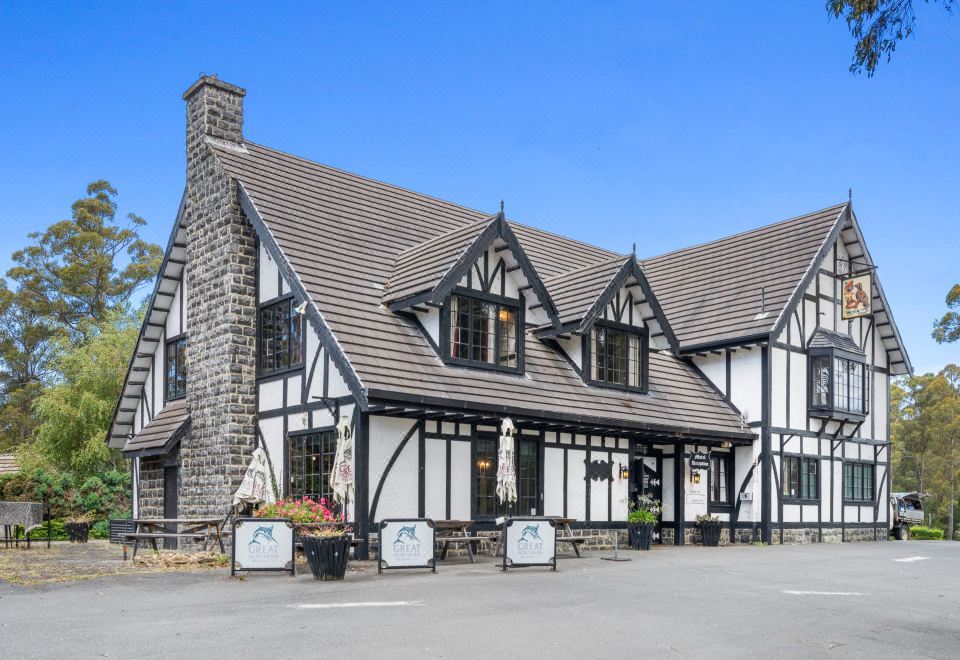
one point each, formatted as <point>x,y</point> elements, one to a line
<point>516,305</point>
<point>802,470</point>
<point>863,467</point>
<point>587,345</point>
<point>831,409</point>
<point>326,439</point>
<point>174,341</point>
<point>498,510</point>
<point>300,325</point>
<point>727,459</point>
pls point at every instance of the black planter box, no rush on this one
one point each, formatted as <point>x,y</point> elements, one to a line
<point>711,533</point>
<point>641,535</point>
<point>327,556</point>
<point>77,532</point>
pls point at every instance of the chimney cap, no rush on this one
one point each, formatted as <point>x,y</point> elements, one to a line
<point>213,81</point>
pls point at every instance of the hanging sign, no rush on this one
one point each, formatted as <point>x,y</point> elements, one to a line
<point>407,543</point>
<point>529,541</point>
<point>700,460</point>
<point>856,296</point>
<point>262,544</point>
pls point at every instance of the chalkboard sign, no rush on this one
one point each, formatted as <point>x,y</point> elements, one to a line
<point>530,541</point>
<point>700,461</point>
<point>262,544</point>
<point>407,543</point>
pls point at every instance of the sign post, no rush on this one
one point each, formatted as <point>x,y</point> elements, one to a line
<point>262,544</point>
<point>529,541</point>
<point>407,543</point>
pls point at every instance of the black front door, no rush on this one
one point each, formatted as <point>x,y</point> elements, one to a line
<point>648,481</point>
<point>170,502</point>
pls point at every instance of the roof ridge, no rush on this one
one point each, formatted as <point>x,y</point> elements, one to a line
<point>745,232</point>
<point>567,273</point>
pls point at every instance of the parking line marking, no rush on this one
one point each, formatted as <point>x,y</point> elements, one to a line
<point>821,593</point>
<point>327,606</point>
<point>909,559</point>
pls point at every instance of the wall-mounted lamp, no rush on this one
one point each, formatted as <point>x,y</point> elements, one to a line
<point>483,464</point>
<point>726,444</point>
<point>695,477</point>
<point>301,308</point>
<point>624,471</point>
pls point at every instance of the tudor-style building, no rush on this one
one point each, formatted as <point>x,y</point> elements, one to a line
<point>293,295</point>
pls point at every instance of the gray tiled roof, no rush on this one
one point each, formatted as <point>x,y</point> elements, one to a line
<point>363,226</point>
<point>710,293</point>
<point>824,338</point>
<point>573,293</point>
<point>162,432</point>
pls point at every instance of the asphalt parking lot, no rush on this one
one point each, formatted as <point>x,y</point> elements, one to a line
<point>848,601</point>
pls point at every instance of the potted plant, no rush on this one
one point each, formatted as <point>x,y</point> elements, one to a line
<point>324,534</point>
<point>709,529</point>
<point>78,528</point>
<point>641,519</point>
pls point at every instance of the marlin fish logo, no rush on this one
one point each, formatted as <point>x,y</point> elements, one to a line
<point>530,533</point>
<point>407,534</point>
<point>263,535</point>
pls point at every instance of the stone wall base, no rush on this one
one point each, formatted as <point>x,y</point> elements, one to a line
<point>790,536</point>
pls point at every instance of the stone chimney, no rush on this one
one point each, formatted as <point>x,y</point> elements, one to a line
<point>221,307</point>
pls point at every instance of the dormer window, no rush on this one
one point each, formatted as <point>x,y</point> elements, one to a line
<point>616,356</point>
<point>482,330</point>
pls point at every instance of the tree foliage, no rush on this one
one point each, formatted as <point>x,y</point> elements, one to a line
<point>75,271</point>
<point>877,26</point>
<point>925,429</point>
<point>947,329</point>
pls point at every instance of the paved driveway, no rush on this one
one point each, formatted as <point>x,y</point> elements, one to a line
<point>851,601</point>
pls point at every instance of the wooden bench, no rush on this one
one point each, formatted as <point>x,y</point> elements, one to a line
<point>153,536</point>
<point>207,530</point>
<point>469,541</point>
<point>574,540</point>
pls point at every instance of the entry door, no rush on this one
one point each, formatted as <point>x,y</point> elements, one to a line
<point>170,502</point>
<point>650,484</point>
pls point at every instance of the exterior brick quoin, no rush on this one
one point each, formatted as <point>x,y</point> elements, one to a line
<point>221,309</point>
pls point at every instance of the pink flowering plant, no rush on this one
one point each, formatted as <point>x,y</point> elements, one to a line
<point>311,518</point>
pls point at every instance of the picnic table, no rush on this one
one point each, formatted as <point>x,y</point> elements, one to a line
<point>208,530</point>
<point>565,534</point>
<point>28,515</point>
<point>456,532</point>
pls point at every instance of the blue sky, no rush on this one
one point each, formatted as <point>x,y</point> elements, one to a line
<point>664,124</point>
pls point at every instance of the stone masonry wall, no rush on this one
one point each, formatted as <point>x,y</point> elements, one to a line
<point>790,536</point>
<point>221,308</point>
<point>151,487</point>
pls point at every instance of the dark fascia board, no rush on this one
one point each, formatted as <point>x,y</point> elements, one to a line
<point>678,432</point>
<point>498,227</point>
<point>316,319</point>
<point>883,297</point>
<point>813,268</point>
<point>629,268</point>
<point>171,244</point>
<point>726,343</point>
<point>171,442</point>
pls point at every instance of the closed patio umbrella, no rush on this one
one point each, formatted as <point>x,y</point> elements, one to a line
<point>255,487</point>
<point>341,476</point>
<point>506,464</point>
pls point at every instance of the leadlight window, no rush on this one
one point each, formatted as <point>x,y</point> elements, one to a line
<point>176,369</point>
<point>839,384</point>
<point>720,469</point>
<point>800,478</point>
<point>858,482</point>
<point>281,337</point>
<point>618,357</point>
<point>483,332</point>
<point>486,463</point>
<point>311,462</point>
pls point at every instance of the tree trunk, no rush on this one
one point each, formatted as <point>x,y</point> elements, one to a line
<point>950,510</point>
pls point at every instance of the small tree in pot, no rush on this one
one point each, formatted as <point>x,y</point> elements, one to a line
<point>709,529</point>
<point>641,520</point>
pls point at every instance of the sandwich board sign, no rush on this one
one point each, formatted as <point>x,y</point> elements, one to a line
<point>407,543</point>
<point>262,544</point>
<point>529,541</point>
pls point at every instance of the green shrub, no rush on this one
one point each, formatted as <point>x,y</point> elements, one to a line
<point>924,533</point>
<point>57,531</point>
<point>100,530</point>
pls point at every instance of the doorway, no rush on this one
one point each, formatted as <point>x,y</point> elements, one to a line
<point>648,480</point>
<point>170,479</point>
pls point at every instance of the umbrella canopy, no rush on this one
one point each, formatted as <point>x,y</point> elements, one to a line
<point>506,464</point>
<point>341,476</point>
<point>255,487</point>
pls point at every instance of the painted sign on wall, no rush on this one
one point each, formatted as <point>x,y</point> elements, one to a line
<point>700,460</point>
<point>530,541</point>
<point>262,544</point>
<point>857,296</point>
<point>407,543</point>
